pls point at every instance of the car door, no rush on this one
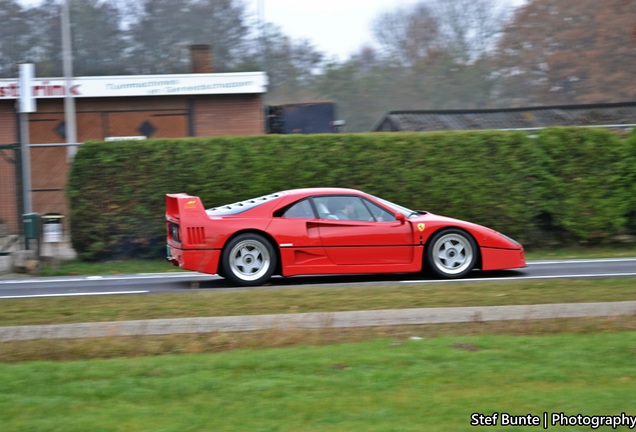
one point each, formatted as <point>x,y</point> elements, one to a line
<point>295,229</point>
<point>356,231</point>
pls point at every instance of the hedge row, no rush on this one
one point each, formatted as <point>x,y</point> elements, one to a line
<point>574,184</point>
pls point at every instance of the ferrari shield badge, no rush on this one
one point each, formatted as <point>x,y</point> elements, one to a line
<point>421,227</point>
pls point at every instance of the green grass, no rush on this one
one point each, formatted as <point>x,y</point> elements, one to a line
<point>434,384</point>
<point>398,378</point>
<point>132,266</point>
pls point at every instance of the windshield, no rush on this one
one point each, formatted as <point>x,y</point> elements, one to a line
<point>398,208</point>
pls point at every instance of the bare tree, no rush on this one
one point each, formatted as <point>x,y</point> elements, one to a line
<point>407,35</point>
<point>291,65</point>
<point>466,29</point>
<point>163,30</point>
<point>444,48</point>
<point>568,51</point>
<point>14,36</point>
<point>97,38</point>
<point>469,28</point>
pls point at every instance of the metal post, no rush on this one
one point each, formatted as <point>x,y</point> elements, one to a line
<point>25,155</point>
<point>25,105</point>
<point>69,101</point>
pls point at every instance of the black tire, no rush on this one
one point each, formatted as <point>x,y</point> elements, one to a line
<point>451,253</point>
<point>248,260</point>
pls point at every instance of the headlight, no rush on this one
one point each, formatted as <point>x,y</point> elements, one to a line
<point>513,241</point>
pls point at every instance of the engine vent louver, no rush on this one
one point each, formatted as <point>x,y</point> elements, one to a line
<point>196,235</point>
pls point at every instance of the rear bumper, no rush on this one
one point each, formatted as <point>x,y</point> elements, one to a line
<point>502,259</point>
<point>199,260</point>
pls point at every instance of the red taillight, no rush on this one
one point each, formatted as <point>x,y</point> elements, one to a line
<point>173,232</point>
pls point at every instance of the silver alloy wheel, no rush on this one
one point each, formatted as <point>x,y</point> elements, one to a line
<point>452,254</point>
<point>249,260</point>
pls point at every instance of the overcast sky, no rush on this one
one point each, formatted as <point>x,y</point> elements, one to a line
<point>336,27</point>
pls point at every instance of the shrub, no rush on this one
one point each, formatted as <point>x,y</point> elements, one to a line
<point>571,183</point>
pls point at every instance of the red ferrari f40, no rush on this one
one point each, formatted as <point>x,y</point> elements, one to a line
<point>327,231</point>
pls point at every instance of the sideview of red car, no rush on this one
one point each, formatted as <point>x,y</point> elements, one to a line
<point>327,231</point>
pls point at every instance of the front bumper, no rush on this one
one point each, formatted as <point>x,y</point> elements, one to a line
<point>502,259</point>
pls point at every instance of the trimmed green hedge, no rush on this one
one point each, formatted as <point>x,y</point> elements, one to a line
<point>575,185</point>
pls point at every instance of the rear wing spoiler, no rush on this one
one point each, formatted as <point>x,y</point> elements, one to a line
<point>186,220</point>
<point>184,206</point>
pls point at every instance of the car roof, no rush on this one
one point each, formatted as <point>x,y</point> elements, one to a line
<point>320,191</point>
<point>274,199</point>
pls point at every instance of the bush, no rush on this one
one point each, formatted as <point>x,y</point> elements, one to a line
<point>575,184</point>
<point>582,186</point>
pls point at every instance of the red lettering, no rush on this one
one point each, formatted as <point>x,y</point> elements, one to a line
<point>9,91</point>
<point>47,89</point>
<point>37,90</point>
<point>42,90</point>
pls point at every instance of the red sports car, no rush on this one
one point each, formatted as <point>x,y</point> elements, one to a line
<point>327,231</point>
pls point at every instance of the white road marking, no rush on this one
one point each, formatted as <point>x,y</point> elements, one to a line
<point>516,278</point>
<point>581,261</point>
<point>74,294</point>
<point>105,278</point>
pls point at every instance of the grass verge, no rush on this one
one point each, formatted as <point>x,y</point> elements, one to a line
<point>387,384</point>
<point>135,346</point>
<point>413,378</point>
<point>297,300</point>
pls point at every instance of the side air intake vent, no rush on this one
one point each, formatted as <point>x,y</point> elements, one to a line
<point>196,235</point>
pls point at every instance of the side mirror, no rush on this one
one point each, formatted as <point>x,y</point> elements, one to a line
<point>400,218</point>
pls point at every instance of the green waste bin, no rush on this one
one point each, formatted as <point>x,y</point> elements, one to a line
<point>31,226</point>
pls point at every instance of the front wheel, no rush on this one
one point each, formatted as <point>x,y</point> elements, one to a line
<point>248,260</point>
<point>451,253</point>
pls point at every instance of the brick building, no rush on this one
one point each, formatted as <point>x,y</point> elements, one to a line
<point>152,106</point>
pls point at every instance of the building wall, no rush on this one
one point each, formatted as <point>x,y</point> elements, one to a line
<point>9,190</point>
<point>99,118</point>
<point>8,123</point>
<point>229,115</point>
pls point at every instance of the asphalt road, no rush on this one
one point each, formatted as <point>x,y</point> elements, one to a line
<point>22,287</point>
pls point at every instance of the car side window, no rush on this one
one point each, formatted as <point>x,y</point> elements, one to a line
<point>379,214</point>
<point>342,207</point>
<point>300,210</point>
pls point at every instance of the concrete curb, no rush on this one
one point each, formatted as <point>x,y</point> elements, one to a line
<point>317,320</point>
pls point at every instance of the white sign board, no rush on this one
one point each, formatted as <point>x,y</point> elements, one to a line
<point>140,85</point>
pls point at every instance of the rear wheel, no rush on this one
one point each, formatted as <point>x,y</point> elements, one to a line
<point>451,253</point>
<point>248,260</point>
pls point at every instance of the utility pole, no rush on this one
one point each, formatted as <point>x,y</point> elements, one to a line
<point>69,101</point>
<point>26,105</point>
